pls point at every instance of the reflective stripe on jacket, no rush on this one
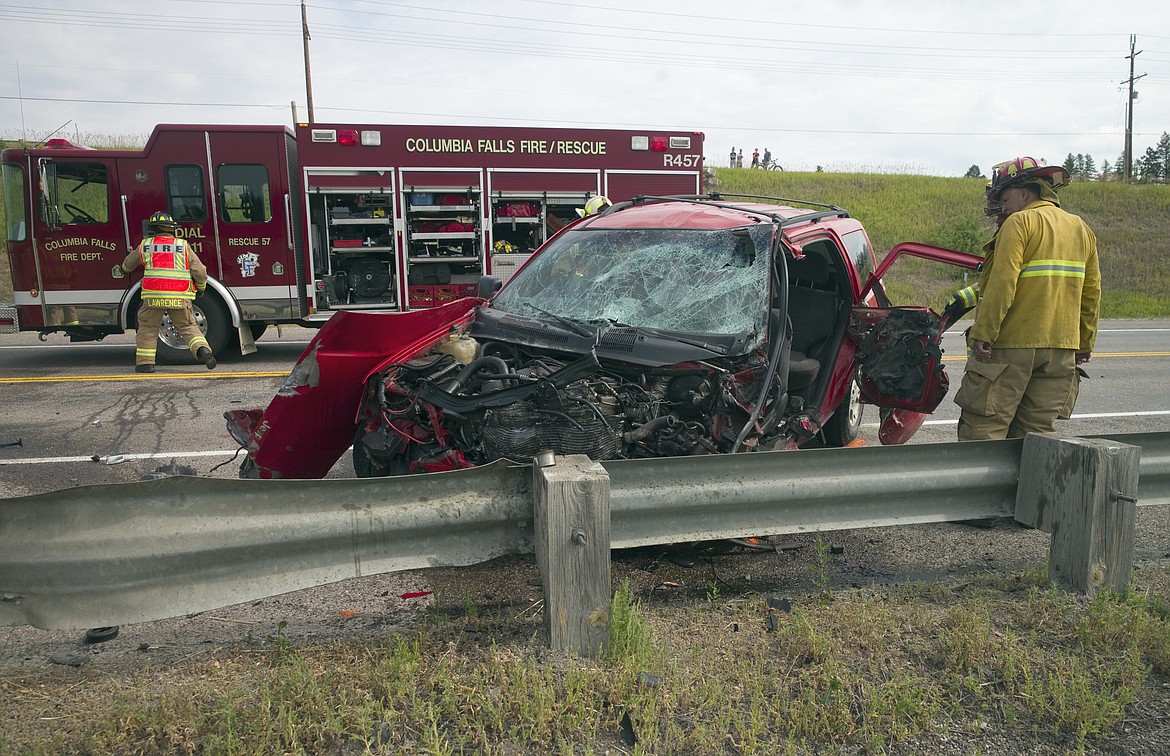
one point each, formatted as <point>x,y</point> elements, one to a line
<point>172,270</point>
<point>167,272</point>
<point>1042,287</point>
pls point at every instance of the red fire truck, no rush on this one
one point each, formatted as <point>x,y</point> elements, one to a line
<point>294,226</point>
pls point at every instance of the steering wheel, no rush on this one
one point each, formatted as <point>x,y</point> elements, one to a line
<point>79,215</point>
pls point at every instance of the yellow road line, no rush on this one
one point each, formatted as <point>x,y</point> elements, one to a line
<point>138,377</point>
<point>281,374</point>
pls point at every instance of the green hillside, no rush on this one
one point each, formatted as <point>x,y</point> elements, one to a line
<point>1132,222</point>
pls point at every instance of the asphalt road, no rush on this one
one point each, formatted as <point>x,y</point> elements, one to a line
<point>67,403</point>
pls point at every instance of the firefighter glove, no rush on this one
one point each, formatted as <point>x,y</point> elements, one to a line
<point>962,301</point>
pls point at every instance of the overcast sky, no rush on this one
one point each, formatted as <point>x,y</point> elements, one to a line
<point>916,87</point>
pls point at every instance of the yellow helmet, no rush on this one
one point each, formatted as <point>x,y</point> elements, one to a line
<point>594,206</point>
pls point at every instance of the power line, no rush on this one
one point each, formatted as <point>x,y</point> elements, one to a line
<point>658,13</point>
<point>144,102</point>
<point>575,28</point>
<point>469,117</point>
<point>571,52</point>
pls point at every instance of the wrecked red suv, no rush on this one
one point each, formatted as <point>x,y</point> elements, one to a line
<point>663,326</point>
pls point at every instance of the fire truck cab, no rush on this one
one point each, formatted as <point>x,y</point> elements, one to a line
<point>294,226</point>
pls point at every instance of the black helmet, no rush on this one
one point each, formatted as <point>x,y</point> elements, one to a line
<point>161,222</point>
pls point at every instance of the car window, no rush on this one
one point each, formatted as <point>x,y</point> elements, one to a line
<point>682,280</point>
<point>859,250</point>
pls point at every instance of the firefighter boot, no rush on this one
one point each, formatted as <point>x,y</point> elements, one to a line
<point>205,356</point>
<point>147,368</point>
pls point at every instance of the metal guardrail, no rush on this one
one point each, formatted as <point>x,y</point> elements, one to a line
<point>116,554</point>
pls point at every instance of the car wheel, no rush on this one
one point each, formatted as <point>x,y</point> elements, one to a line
<point>366,465</point>
<point>101,634</point>
<point>844,425</point>
<point>211,317</point>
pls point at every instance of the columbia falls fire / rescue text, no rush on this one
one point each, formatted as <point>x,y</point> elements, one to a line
<point>297,225</point>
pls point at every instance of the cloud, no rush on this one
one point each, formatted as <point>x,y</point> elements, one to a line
<point>933,87</point>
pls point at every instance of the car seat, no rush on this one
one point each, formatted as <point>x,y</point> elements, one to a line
<point>812,313</point>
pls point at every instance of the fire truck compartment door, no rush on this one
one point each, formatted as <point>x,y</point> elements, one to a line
<point>623,185</point>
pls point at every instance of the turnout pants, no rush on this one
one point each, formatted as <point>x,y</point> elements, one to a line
<point>150,315</point>
<point>1019,391</point>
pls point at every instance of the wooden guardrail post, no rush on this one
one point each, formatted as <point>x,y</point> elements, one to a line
<point>1084,493</point>
<point>571,525</point>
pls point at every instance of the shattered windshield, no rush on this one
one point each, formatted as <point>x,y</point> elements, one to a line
<point>682,280</point>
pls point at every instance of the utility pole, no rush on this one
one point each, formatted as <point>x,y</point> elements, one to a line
<point>308,76</point>
<point>1129,110</point>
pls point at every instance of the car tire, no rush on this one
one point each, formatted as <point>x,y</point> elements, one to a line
<point>211,317</point>
<point>101,634</point>
<point>844,425</point>
<point>365,465</point>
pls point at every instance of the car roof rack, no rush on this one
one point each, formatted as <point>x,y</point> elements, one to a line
<point>715,199</point>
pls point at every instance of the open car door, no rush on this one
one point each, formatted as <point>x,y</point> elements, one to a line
<point>899,353</point>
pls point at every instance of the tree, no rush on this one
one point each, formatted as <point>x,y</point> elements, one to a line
<point>973,172</point>
<point>1090,169</point>
<point>1070,164</point>
<point>1148,168</point>
<point>1163,153</point>
<point>1105,172</point>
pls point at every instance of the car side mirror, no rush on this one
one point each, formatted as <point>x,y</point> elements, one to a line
<point>487,286</point>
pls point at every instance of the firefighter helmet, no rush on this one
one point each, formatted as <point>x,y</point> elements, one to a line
<point>1022,171</point>
<point>161,222</point>
<point>990,207</point>
<point>594,206</point>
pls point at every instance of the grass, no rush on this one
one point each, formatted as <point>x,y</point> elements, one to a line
<point>866,669</point>
<point>1131,221</point>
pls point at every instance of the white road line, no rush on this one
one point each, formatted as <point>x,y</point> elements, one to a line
<point>1086,416</point>
<point>127,345</point>
<point>101,458</point>
<point>123,457</point>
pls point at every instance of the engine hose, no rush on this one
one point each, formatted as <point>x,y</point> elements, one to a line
<point>558,413</point>
<point>592,406</point>
<point>645,430</point>
<point>474,367</point>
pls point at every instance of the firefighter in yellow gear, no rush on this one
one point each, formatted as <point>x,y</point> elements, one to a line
<point>172,277</point>
<point>1039,303</point>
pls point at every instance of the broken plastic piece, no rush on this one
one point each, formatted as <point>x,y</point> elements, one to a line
<point>415,594</point>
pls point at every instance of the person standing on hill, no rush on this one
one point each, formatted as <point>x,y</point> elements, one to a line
<point>756,158</point>
<point>767,158</point>
<point>739,159</point>
<point>172,277</point>
<point>1039,303</point>
<point>731,163</point>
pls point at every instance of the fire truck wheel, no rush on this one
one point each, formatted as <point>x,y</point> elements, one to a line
<point>212,319</point>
